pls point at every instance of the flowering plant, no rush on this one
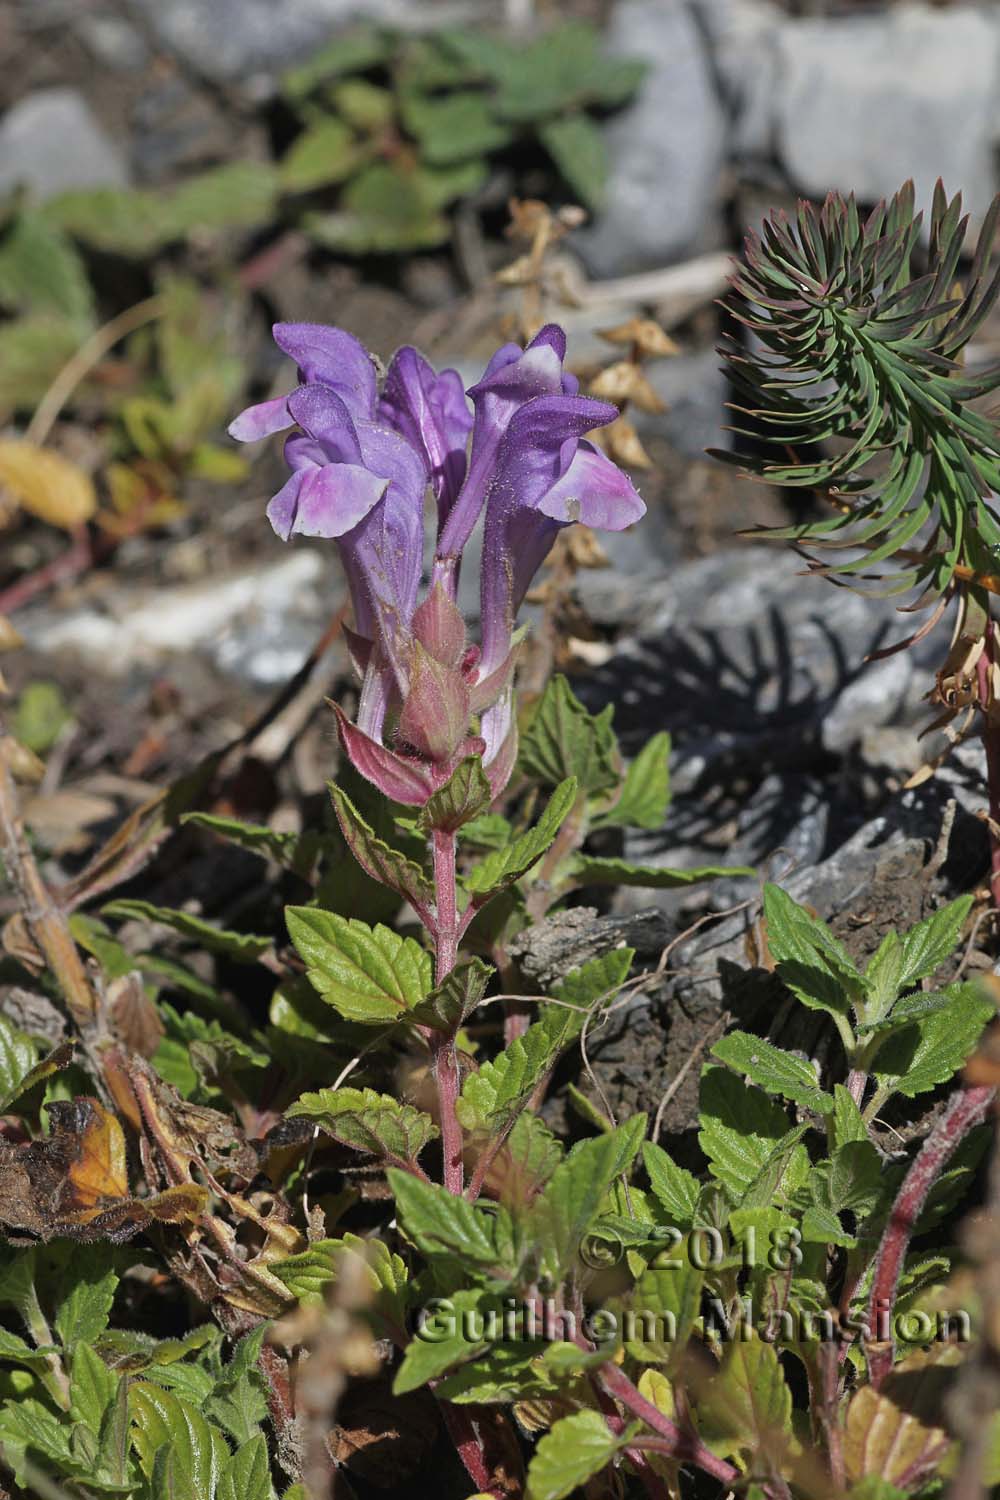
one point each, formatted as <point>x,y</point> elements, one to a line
<point>362,461</point>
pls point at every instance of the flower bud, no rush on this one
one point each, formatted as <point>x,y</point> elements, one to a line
<point>435,715</point>
<point>439,627</point>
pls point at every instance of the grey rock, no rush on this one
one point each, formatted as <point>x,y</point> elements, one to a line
<point>883,690</point>
<point>743,35</point>
<point>51,142</point>
<point>666,148</point>
<point>231,40</point>
<point>546,952</point>
<point>892,846</point>
<point>738,651</point>
<point>695,389</point>
<point>112,40</point>
<point>864,102</point>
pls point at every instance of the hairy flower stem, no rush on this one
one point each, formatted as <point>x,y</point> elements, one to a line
<point>965,1109</point>
<point>446,1074</point>
<point>991,744</point>
<point>683,1446</point>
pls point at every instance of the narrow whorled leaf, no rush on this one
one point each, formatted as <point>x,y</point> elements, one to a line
<point>376,858</point>
<point>368,974</point>
<point>369,1121</point>
<point>504,866</point>
<point>774,1070</point>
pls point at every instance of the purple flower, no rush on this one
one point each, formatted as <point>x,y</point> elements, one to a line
<point>325,356</point>
<point>361,464</point>
<point>431,412</point>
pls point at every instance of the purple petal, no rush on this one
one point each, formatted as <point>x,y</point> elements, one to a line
<point>282,509</point>
<point>595,491</point>
<point>431,412</point>
<point>333,499</point>
<point>261,420</point>
<point>552,337</point>
<point>513,378</point>
<point>333,358</point>
<point>323,416</point>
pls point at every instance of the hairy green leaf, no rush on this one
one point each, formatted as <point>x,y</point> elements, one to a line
<point>676,1190</point>
<point>645,792</point>
<point>388,866</point>
<point>931,1050</point>
<point>573,1451</point>
<point>368,974</point>
<point>440,1223</point>
<point>450,1003</point>
<point>815,967</point>
<point>369,1121</point>
<point>504,866</point>
<point>465,795</point>
<point>773,1070</point>
<point>564,1211</point>
<point>242,946</point>
<point>564,741</point>
<point>740,1128</point>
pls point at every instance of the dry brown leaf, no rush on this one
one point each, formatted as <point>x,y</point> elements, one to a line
<point>46,484</point>
<point>10,640</point>
<point>22,763</point>
<point>645,333</point>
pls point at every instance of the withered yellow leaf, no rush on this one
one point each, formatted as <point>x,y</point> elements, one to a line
<point>49,486</point>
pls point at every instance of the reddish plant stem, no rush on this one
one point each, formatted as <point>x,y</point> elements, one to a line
<point>446,903</point>
<point>79,556</point>
<point>965,1109</point>
<point>683,1446</point>
<point>446,1073</point>
<point>469,1446</point>
<point>991,744</point>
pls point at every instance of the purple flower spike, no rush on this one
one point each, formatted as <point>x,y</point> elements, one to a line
<point>361,463</point>
<point>430,410</point>
<point>513,378</point>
